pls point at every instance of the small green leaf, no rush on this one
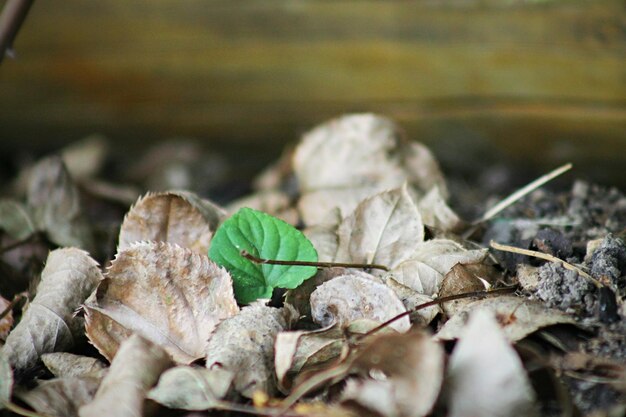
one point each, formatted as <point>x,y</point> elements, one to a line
<point>265,237</point>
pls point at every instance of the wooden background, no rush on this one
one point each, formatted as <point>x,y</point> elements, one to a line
<point>538,82</point>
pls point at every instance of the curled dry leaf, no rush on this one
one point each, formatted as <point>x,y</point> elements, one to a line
<point>299,351</point>
<point>49,324</point>
<point>64,365</point>
<point>135,369</point>
<point>384,229</point>
<point>176,217</point>
<point>431,261</point>
<point>16,219</point>
<point>187,388</point>
<point>300,297</point>
<point>519,317</point>
<point>170,295</point>
<point>460,279</point>
<point>412,367</point>
<point>56,207</point>
<point>347,298</point>
<point>346,160</point>
<point>61,397</point>
<point>486,376</point>
<point>244,345</point>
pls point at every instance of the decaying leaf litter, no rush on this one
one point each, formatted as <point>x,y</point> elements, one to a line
<point>113,303</point>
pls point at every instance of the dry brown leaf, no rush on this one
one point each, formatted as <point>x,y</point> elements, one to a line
<point>300,351</point>
<point>187,388</point>
<point>244,345</point>
<point>458,280</point>
<point>406,374</point>
<point>49,324</point>
<point>385,229</point>
<point>519,317</point>
<point>55,203</point>
<point>61,397</point>
<point>170,295</point>
<point>177,217</point>
<point>418,276</point>
<point>486,376</point>
<point>64,365</point>
<point>347,298</point>
<point>135,369</point>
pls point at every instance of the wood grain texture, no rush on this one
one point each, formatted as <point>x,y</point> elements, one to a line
<point>526,75</point>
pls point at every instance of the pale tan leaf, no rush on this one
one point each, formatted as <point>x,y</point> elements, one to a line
<point>384,229</point>
<point>61,397</point>
<point>187,388</point>
<point>347,151</point>
<point>49,324</point>
<point>16,219</point>
<point>519,317</point>
<point>343,161</point>
<point>406,373</point>
<point>273,202</point>
<point>244,345</point>
<point>64,365</point>
<point>350,297</point>
<point>176,217</point>
<point>170,295</point>
<point>300,297</point>
<point>323,236</point>
<point>418,276</point>
<point>297,351</point>
<point>86,157</point>
<point>135,369</point>
<point>486,376</point>
<point>422,168</point>
<point>6,380</point>
<point>411,299</point>
<point>443,254</point>
<point>55,203</point>
<point>436,212</point>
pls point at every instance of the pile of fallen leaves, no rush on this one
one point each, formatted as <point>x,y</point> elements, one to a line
<point>136,319</point>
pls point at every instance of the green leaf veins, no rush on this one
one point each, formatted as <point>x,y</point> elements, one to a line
<point>265,237</point>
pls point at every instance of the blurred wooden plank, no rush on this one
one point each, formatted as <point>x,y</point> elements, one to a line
<point>550,74</point>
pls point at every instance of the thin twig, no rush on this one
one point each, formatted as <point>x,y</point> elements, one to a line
<point>12,304</point>
<point>258,260</point>
<point>441,300</point>
<point>19,243</point>
<point>523,192</point>
<point>11,19</point>
<point>546,257</point>
<point>22,411</point>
